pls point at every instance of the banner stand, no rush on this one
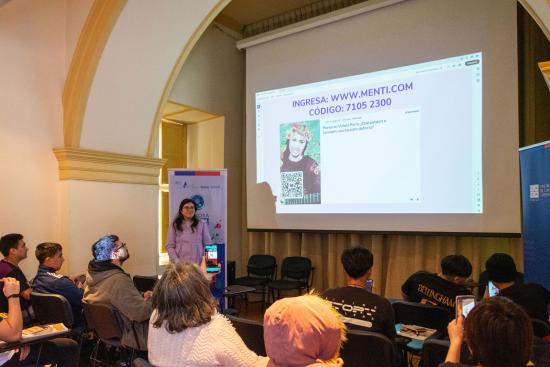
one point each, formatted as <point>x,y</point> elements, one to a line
<point>535,199</point>
<point>208,188</point>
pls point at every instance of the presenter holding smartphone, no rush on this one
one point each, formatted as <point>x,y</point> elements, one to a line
<point>187,235</point>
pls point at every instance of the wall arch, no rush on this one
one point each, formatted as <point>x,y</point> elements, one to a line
<point>142,56</point>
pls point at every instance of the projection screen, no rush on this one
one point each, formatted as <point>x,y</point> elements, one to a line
<point>404,118</point>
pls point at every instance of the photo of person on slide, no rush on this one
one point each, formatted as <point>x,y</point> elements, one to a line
<point>300,159</point>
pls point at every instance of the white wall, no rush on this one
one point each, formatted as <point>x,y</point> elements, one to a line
<point>32,72</point>
<point>212,79</point>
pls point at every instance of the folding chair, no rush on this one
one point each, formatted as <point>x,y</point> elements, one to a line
<point>108,327</point>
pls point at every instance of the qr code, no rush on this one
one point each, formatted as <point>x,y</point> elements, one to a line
<point>292,185</point>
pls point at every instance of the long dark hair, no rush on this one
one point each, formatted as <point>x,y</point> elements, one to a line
<point>179,218</point>
<point>182,298</point>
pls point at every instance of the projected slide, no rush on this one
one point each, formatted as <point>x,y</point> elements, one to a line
<point>402,140</point>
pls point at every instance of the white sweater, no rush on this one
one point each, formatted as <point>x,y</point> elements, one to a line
<point>215,343</point>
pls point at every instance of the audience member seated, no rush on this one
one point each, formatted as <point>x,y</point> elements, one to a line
<point>303,331</point>
<point>108,284</point>
<point>361,309</point>
<point>50,258</point>
<point>534,298</point>
<point>439,289</point>
<point>497,332</point>
<point>186,330</point>
<point>14,250</point>
<point>61,351</point>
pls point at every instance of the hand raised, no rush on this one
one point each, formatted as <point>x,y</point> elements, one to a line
<point>11,286</point>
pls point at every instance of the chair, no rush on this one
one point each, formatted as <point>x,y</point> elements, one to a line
<point>107,326</point>
<point>434,352</point>
<point>140,362</point>
<point>261,269</point>
<point>52,309</point>
<point>251,332</point>
<point>540,328</point>
<point>145,283</point>
<point>296,273</point>
<point>433,317</point>
<point>368,349</point>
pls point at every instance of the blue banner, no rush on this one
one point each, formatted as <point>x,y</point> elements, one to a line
<point>535,194</point>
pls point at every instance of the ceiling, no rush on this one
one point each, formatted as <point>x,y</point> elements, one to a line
<point>182,114</point>
<point>243,12</point>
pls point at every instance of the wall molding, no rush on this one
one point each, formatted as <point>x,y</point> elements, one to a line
<point>91,43</point>
<point>93,165</point>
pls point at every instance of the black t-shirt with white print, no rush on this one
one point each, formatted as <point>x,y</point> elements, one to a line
<point>362,310</point>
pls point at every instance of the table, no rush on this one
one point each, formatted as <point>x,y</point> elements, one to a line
<point>233,291</point>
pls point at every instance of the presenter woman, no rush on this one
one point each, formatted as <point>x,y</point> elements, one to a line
<point>187,235</point>
<point>294,160</point>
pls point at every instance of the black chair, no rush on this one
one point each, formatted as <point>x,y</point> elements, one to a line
<point>429,316</point>
<point>540,328</point>
<point>368,349</point>
<point>261,269</point>
<point>140,362</point>
<point>52,309</point>
<point>145,283</point>
<point>296,273</point>
<point>251,332</point>
<point>107,326</point>
<point>434,352</point>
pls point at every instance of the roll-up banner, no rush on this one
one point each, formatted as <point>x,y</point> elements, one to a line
<point>535,197</point>
<point>208,189</point>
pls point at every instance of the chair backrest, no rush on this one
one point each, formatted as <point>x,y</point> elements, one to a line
<point>252,333</point>
<point>433,317</point>
<point>368,349</point>
<point>140,362</point>
<point>52,309</point>
<point>262,265</point>
<point>103,320</point>
<point>540,328</point>
<point>296,267</point>
<point>145,283</point>
<point>434,352</point>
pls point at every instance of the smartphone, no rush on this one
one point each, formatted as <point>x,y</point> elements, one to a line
<point>493,290</point>
<point>369,284</point>
<point>464,305</point>
<point>211,258</point>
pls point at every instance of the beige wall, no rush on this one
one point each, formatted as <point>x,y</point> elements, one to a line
<point>135,66</point>
<point>99,208</point>
<point>33,43</point>
<point>205,144</point>
<point>212,79</point>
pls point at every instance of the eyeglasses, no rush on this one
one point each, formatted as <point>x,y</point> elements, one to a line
<point>123,244</point>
